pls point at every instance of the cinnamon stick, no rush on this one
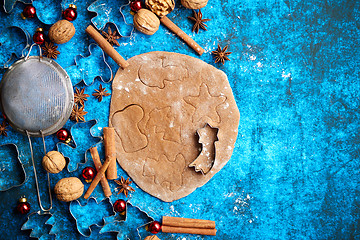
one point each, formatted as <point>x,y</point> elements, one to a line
<point>104,183</point>
<point>181,34</point>
<point>187,222</point>
<point>106,46</point>
<point>201,231</point>
<point>110,152</point>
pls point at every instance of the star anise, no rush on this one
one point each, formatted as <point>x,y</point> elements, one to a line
<point>124,186</point>
<point>111,37</point>
<point>198,21</point>
<point>80,97</point>
<point>102,92</point>
<point>77,114</point>
<point>221,55</point>
<point>3,130</point>
<point>50,50</point>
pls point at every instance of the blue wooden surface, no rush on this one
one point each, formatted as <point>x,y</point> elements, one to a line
<point>294,173</point>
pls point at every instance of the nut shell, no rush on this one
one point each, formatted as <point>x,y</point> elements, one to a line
<point>146,22</point>
<point>61,32</point>
<point>194,4</point>
<point>160,7</point>
<point>53,162</point>
<point>69,189</point>
<point>153,237</point>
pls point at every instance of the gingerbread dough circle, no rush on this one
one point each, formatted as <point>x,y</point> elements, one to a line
<point>176,122</point>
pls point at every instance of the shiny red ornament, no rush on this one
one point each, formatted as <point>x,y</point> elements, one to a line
<point>88,174</point>
<point>39,36</point>
<point>63,135</point>
<point>119,206</point>
<point>23,206</point>
<point>136,5</point>
<point>28,12</point>
<point>70,13</point>
<point>154,227</point>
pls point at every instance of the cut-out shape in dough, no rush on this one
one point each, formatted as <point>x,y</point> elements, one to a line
<point>173,178</point>
<point>126,126</point>
<point>205,104</point>
<point>164,121</point>
<point>205,161</point>
<point>157,72</point>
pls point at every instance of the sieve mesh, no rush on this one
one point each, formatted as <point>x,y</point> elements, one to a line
<point>36,94</point>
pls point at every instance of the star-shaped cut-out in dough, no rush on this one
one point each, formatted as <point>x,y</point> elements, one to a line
<point>205,104</point>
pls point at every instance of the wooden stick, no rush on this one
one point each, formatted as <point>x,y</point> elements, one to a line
<point>106,46</point>
<point>201,231</point>
<point>181,34</point>
<point>104,183</point>
<point>97,178</point>
<point>187,222</point>
<point>110,152</point>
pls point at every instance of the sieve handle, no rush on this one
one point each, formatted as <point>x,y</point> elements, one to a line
<point>35,174</point>
<point>40,52</point>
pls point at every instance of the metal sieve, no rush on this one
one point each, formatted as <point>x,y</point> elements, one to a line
<point>36,97</point>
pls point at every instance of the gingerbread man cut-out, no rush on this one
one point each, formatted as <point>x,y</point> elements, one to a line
<point>205,105</point>
<point>205,161</point>
<point>172,178</point>
<point>126,125</point>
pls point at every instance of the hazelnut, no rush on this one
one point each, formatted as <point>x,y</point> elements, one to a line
<point>69,189</point>
<point>61,32</point>
<point>194,4</point>
<point>160,7</point>
<point>146,22</point>
<point>53,162</point>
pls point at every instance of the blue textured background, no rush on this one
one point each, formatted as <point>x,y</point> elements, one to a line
<point>294,72</point>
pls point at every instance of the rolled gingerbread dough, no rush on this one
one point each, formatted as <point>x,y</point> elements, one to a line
<point>176,122</point>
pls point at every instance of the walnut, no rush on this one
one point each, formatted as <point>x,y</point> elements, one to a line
<point>61,32</point>
<point>146,22</point>
<point>160,7</point>
<point>153,237</point>
<point>194,4</point>
<point>53,162</point>
<point>69,189</point>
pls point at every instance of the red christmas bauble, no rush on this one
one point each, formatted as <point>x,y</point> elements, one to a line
<point>70,13</point>
<point>63,134</point>
<point>154,227</point>
<point>23,206</point>
<point>136,5</point>
<point>39,36</point>
<point>88,174</point>
<point>28,12</point>
<point>119,206</point>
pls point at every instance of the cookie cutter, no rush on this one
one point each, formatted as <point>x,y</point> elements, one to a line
<point>48,15</point>
<point>22,167</point>
<point>27,44</point>
<point>59,148</point>
<point>9,4</point>
<point>199,163</point>
<point>98,4</point>
<point>114,221</point>
<point>23,227</point>
<point>86,204</point>
<point>77,64</point>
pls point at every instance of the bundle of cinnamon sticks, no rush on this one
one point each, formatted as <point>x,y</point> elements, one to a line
<point>109,165</point>
<point>188,225</point>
